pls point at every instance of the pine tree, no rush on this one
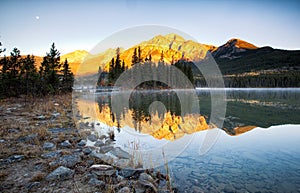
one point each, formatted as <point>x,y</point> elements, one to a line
<point>67,77</point>
<point>140,59</point>
<point>135,58</point>
<point>49,70</point>
<point>111,73</point>
<point>29,75</point>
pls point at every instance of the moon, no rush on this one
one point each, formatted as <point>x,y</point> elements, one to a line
<point>37,17</point>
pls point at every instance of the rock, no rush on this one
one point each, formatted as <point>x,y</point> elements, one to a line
<point>99,143</point>
<point>55,115</point>
<point>28,138</point>
<point>102,170</point>
<point>52,154</point>
<point>56,104</point>
<point>142,186</point>
<point>96,182</point>
<point>102,157</point>
<point>87,150</point>
<point>2,140</point>
<point>81,143</point>
<point>66,144</point>
<point>146,177</point>
<point>59,130</point>
<point>15,158</point>
<point>120,153</point>
<point>124,190</point>
<point>123,163</point>
<point>67,160</point>
<point>33,185</point>
<point>92,137</point>
<point>102,137</point>
<point>48,146</point>
<point>41,117</point>
<point>127,173</point>
<point>60,173</point>
<point>105,149</point>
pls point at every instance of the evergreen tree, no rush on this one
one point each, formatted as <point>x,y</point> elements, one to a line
<point>140,59</point>
<point>29,75</point>
<point>49,70</point>
<point>67,77</point>
<point>135,58</point>
<point>111,73</point>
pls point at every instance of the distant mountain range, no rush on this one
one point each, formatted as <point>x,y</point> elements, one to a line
<point>235,56</point>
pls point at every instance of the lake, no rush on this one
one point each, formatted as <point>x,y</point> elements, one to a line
<point>255,150</point>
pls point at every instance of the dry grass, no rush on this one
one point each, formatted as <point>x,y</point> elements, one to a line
<point>38,177</point>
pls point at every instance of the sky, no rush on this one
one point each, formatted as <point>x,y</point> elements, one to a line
<point>33,25</point>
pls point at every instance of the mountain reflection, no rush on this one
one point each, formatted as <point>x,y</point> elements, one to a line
<point>163,115</point>
<point>158,114</point>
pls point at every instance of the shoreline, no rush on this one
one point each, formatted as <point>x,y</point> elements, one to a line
<point>43,151</point>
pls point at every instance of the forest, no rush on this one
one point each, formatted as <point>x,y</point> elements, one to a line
<point>235,72</point>
<point>20,75</point>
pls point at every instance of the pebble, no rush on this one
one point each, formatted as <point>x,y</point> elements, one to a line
<point>96,182</point>
<point>48,146</point>
<point>15,158</point>
<point>66,144</point>
<point>52,154</point>
<point>99,143</point>
<point>60,173</point>
<point>92,137</point>
<point>102,170</point>
<point>146,177</point>
<point>87,150</point>
<point>120,153</point>
<point>67,160</point>
<point>124,190</point>
<point>81,143</point>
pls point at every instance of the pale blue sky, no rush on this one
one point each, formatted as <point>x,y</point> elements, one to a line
<point>78,24</point>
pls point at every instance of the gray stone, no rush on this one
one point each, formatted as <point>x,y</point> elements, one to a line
<point>102,137</point>
<point>28,138</point>
<point>102,170</point>
<point>33,185</point>
<point>48,146</point>
<point>127,173</point>
<point>105,149</point>
<point>92,137</point>
<point>120,153</point>
<point>146,177</point>
<point>87,150</point>
<point>15,158</point>
<point>124,190</point>
<point>67,160</point>
<point>60,173</point>
<point>66,143</point>
<point>2,140</point>
<point>99,143</point>
<point>142,186</point>
<point>96,182</point>
<point>123,163</point>
<point>52,154</point>
<point>41,117</point>
<point>59,130</point>
<point>102,157</point>
<point>82,143</point>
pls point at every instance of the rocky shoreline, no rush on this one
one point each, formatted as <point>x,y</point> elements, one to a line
<point>42,151</point>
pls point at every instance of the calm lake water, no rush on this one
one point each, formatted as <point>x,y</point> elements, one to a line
<point>256,150</point>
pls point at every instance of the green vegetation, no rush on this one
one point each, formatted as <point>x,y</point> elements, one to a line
<point>19,75</point>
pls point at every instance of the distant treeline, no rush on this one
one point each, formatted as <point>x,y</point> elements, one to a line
<point>117,67</point>
<point>283,79</point>
<point>19,75</point>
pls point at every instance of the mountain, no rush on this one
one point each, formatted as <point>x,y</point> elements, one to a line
<point>236,56</point>
<point>173,46</point>
<point>232,49</point>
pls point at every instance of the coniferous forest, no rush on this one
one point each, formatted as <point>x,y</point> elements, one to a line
<point>20,75</point>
